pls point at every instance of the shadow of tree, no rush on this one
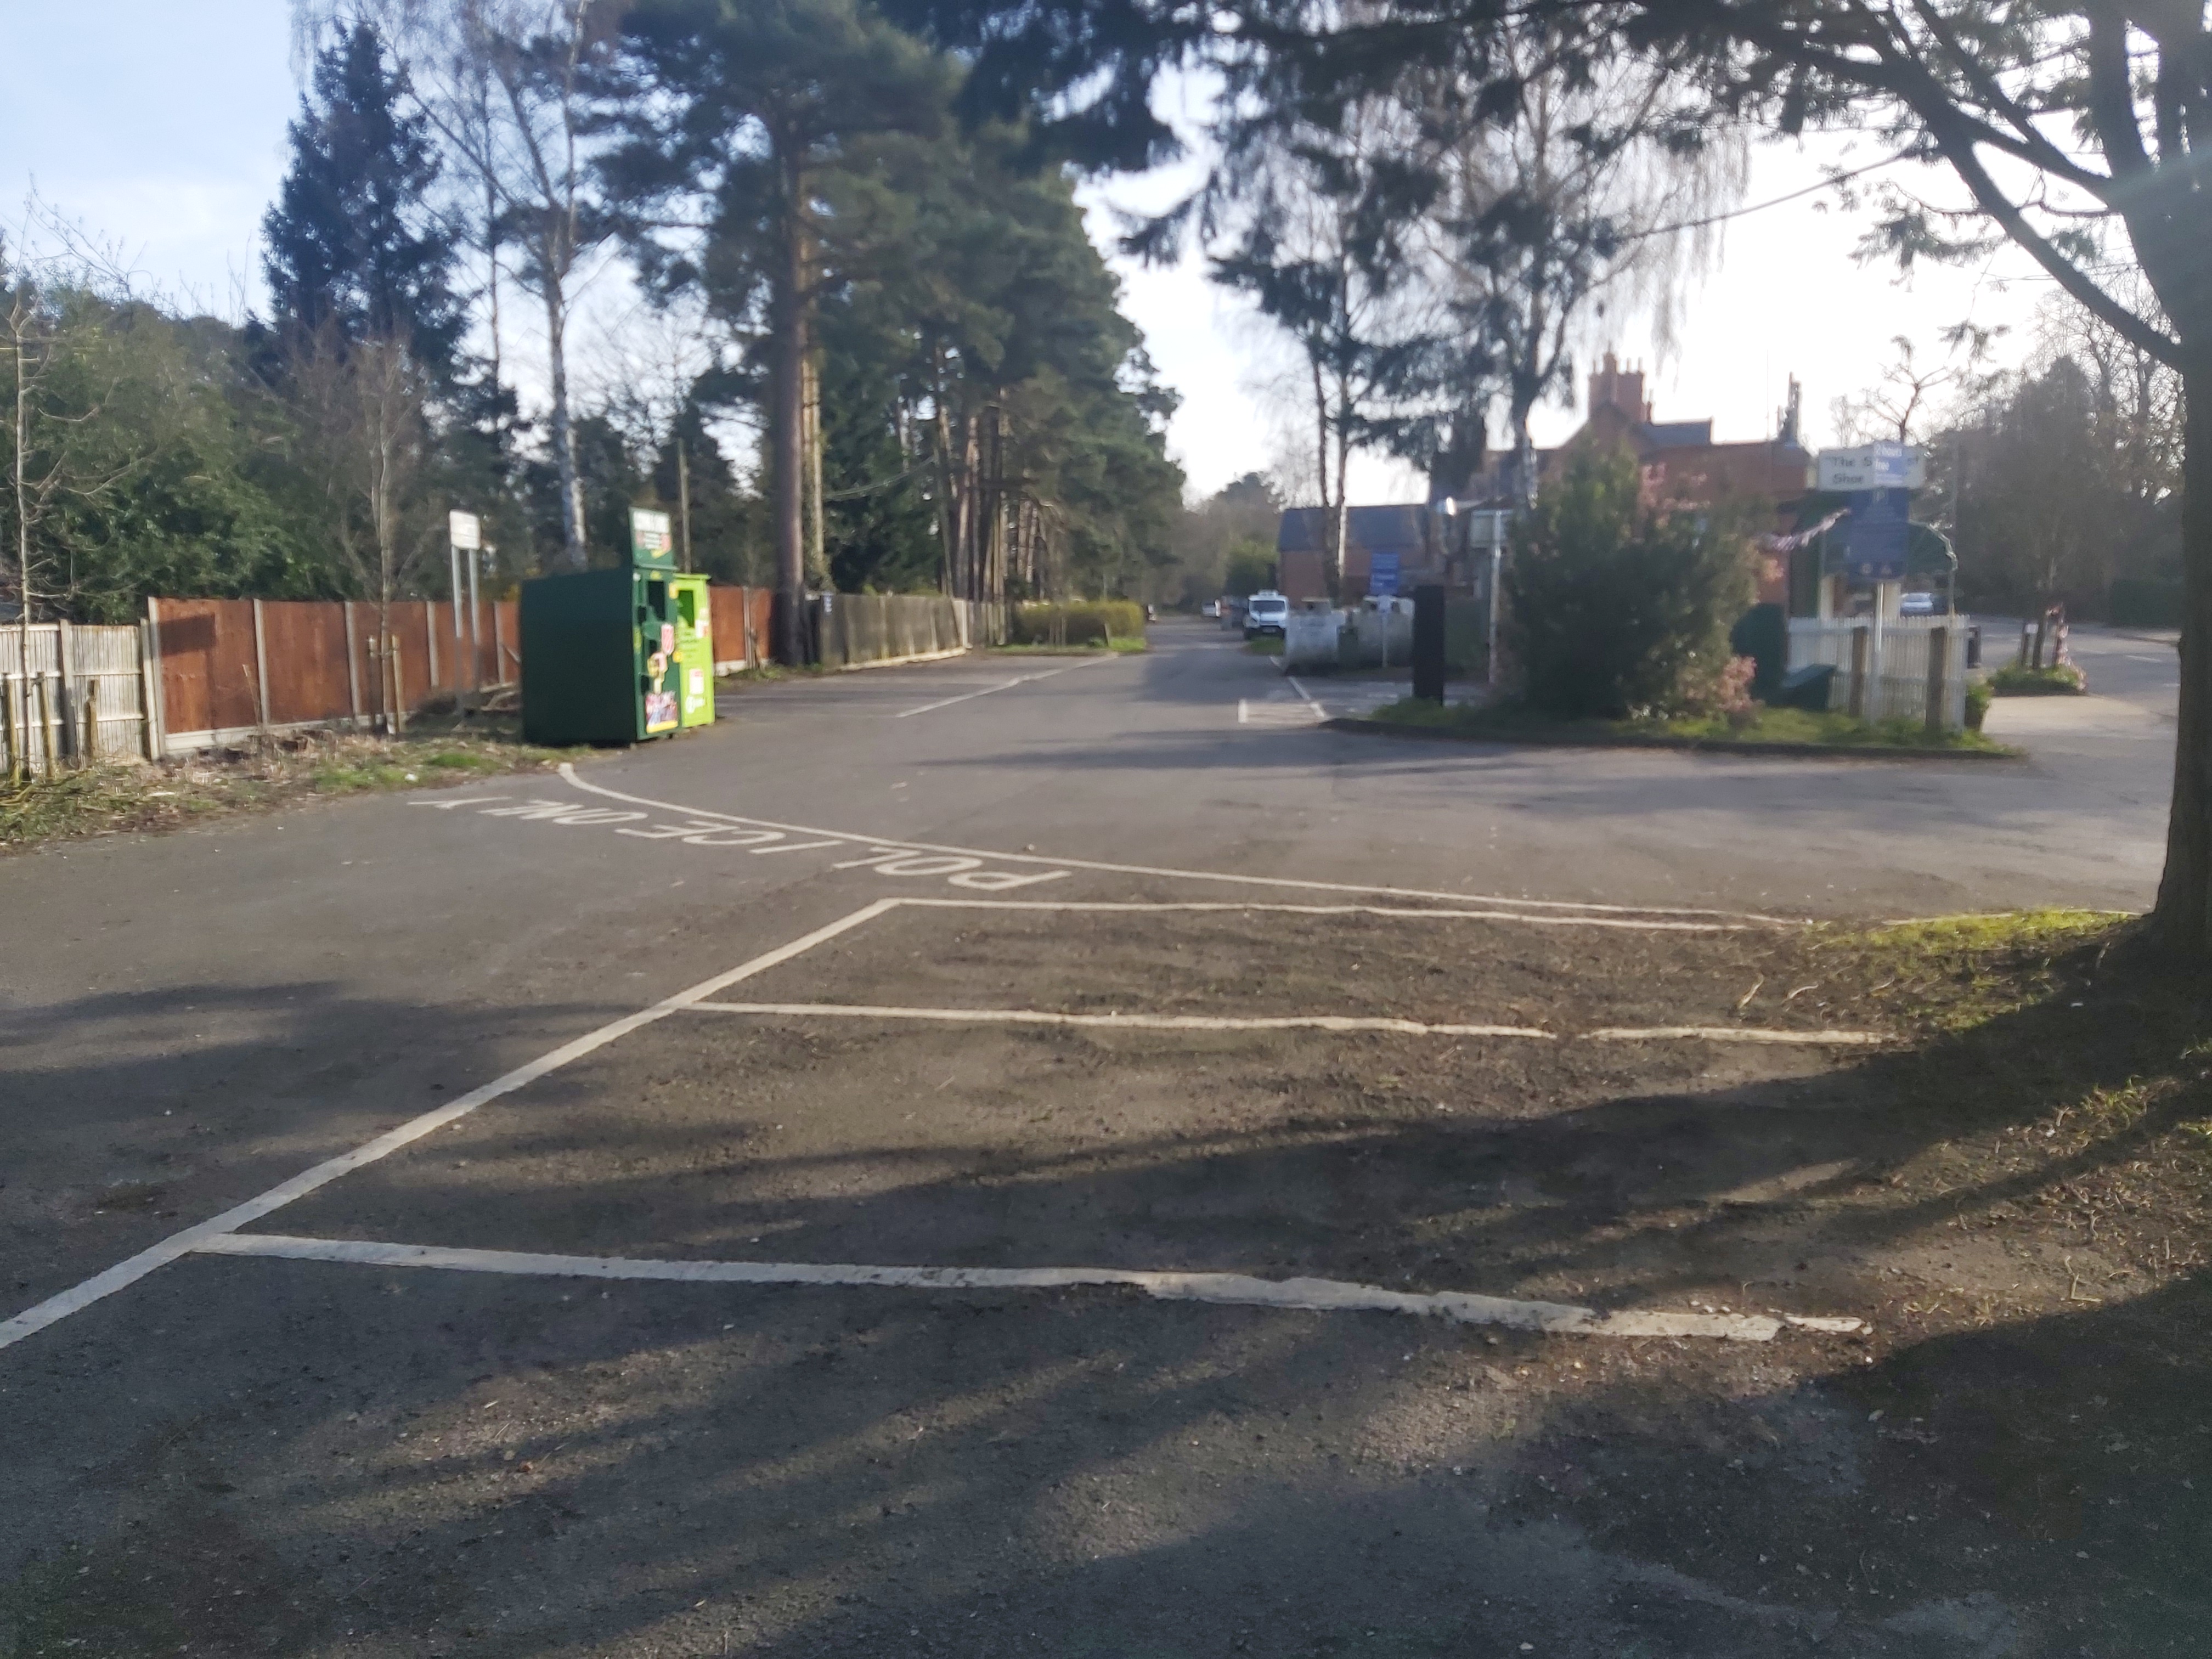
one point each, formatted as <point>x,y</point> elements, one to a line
<point>278,1457</point>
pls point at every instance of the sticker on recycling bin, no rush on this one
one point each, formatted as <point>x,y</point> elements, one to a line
<point>668,639</point>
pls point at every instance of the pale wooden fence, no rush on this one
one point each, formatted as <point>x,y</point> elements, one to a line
<point>70,692</point>
<point>1888,669</point>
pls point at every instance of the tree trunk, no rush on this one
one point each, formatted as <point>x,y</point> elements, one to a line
<point>2184,916</point>
<point>787,422</point>
<point>564,431</point>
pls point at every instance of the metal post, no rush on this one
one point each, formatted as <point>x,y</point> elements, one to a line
<point>1857,705</point>
<point>430,640</point>
<point>475,626</point>
<point>399,683</point>
<point>453,554</point>
<point>1497,570</point>
<point>1939,654</point>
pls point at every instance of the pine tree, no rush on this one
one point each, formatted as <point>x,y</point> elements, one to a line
<point>354,253</point>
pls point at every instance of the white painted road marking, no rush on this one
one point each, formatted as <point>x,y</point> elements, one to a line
<point>568,772</point>
<point>1019,680</point>
<point>1736,1034</point>
<point>1130,1022</point>
<point>194,1238</point>
<point>1347,1023</point>
<point>1248,906</point>
<point>130,1271</point>
<point>958,871</point>
<point>1232,1290</point>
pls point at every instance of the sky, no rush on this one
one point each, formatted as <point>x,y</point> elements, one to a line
<point>159,128</point>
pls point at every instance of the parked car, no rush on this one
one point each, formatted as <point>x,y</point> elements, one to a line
<point>1210,609</point>
<point>1266,613</point>
<point>1917,604</point>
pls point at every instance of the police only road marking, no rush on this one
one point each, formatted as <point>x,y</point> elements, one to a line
<point>959,869</point>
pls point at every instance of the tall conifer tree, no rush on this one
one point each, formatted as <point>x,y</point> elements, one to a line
<point>353,252</point>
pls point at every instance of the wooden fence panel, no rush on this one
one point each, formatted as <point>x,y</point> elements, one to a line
<point>210,677</point>
<point>303,643</point>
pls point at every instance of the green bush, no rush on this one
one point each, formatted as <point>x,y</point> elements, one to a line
<point>1613,609</point>
<point>1978,703</point>
<point>1088,622</point>
<point>2015,681</point>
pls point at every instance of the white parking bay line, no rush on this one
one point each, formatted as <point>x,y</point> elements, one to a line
<point>1230,1289</point>
<point>1007,686</point>
<point>1127,1022</point>
<point>1344,1023</point>
<point>130,1271</point>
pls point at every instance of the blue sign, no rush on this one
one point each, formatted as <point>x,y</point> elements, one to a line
<point>1869,545</point>
<point>1893,465</point>
<point>1382,574</point>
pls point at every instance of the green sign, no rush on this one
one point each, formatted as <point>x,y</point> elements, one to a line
<point>651,547</point>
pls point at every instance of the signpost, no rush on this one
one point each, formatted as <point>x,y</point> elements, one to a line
<point>464,534</point>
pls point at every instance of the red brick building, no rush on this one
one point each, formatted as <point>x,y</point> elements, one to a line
<point>1682,466</point>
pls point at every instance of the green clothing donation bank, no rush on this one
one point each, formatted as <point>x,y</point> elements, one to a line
<point>610,656</point>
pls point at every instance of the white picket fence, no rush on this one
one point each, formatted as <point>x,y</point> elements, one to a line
<point>1889,660</point>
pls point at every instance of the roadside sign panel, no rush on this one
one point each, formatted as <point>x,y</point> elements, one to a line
<point>1873,466</point>
<point>464,531</point>
<point>651,546</point>
<point>1382,574</point>
<point>1868,545</point>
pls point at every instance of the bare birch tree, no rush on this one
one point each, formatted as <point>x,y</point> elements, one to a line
<point>503,83</point>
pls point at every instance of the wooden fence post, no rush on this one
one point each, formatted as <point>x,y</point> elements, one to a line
<point>64,659</point>
<point>260,668</point>
<point>49,723</point>
<point>1857,706</point>
<point>150,670</point>
<point>1939,656</point>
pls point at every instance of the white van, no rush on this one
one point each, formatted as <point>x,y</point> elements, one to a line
<point>1265,612</point>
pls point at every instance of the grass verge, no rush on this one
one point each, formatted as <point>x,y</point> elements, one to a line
<point>1791,728</point>
<point>2063,681</point>
<point>138,800</point>
<point>1268,645</point>
<point>1116,646</point>
<point>2071,1064</point>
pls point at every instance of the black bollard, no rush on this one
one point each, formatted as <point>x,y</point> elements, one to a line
<point>1429,643</point>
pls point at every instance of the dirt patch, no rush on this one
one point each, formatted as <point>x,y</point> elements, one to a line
<point>257,773</point>
<point>1260,963</point>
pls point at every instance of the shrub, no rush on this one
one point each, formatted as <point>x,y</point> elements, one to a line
<point>1978,703</point>
<point>2015,681</point>
<point>1613,609</point>
<point>1089,622</point>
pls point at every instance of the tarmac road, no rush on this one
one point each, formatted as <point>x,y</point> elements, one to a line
<point>186,1021</point>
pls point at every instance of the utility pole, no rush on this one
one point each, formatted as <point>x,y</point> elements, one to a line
<point>684,499</point>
